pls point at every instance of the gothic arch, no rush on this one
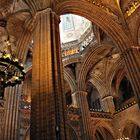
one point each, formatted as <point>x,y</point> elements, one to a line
<point>89,62</point>
<point>99,17</point>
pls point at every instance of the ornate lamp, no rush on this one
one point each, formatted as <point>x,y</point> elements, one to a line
<point>11,70</point>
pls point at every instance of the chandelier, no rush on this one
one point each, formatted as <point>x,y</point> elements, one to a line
<point>11,69</point>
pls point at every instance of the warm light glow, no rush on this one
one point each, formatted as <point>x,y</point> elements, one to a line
<point>29,99</point>
<point>123,138</point>
<point>132,8</point>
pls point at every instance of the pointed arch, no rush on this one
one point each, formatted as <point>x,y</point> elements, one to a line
<point>99,17</point>
<point>89,61</point>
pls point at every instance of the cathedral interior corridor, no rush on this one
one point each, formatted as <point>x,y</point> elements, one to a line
<point>69,69</point>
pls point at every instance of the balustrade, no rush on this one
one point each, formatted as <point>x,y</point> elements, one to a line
<point>77,46</point>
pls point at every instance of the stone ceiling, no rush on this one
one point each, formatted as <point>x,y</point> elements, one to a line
<point>16,11</point>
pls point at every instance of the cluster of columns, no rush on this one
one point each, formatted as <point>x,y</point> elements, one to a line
<point>48,112</point>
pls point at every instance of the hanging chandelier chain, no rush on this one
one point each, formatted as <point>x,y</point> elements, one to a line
<point>11,70</point>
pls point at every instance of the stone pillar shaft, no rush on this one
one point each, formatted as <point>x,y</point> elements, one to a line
<point>11,113</point>
<point>82,103</point>
<point>47,106</point>
<point>12,95</point>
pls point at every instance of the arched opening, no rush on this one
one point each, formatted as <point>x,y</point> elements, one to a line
<point>76,33</point>
<point>125,93</point>
<point>92,13</point>
<point>93,97</point>
<point>125,90</point>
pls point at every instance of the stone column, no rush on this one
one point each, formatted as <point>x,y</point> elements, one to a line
<point>11,129</point>
<point>47,99</point>
<point>132,63</point>
<point>108,104</point>
<point>12,94</point>
<point>81,100</point>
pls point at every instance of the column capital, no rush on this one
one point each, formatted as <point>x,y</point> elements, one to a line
<point>107,97</point>
<point>108,104</point>
<point>45,11</point>
<point>80,92</point>
<point>36,5</point>
<point>30,23</point>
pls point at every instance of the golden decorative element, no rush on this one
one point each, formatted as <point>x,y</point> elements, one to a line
<point>100,4</point>
<point>132,6</point>
<point>127,106</point>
